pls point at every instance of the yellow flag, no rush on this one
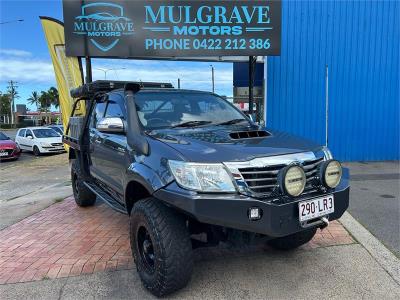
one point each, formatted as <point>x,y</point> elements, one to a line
<point>68,70</point>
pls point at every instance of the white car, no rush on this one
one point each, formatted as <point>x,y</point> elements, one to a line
<point>39,140</point>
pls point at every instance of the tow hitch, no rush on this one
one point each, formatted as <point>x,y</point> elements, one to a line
<point>322,223</point>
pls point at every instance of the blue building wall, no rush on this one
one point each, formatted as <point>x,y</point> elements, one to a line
<point>359,41</point>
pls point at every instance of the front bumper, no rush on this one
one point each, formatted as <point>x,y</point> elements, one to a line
<point>13,154</point>
<point>231,210</point>
<point>52,149</point>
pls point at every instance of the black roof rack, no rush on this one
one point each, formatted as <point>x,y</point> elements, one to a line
<point>104,86</point>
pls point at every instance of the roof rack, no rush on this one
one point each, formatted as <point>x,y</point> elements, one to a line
<point>103,86</point>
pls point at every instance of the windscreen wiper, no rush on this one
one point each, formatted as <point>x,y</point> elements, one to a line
<point>231,122</point>
<point>191,124</point>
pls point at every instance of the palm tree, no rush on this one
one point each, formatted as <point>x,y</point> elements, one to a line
<point>34,99</point>
<point>54,97</point>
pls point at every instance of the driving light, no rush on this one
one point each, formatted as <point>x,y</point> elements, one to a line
<point>293,180</point>
<point>331,173</point>
<point>254,213</point>
<point>201,177</point>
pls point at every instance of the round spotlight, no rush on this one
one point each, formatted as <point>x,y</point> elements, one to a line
<point>293,180</point>
<point>330,173</point>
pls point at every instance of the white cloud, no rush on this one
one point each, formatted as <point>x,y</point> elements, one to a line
<point>15,52</point>
<point>26,70</point>
<point>193,75</point>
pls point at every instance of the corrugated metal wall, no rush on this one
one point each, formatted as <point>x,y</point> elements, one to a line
<point>359,41</point>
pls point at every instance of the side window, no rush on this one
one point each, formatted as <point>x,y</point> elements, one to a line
<point>21,133</point>
<point>29,133</point>
<point>97,114</point>
<point>115,107</point>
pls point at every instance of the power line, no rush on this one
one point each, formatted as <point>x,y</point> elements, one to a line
<point>12,21</point>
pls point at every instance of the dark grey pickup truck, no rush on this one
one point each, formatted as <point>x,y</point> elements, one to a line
<point>191,170</point>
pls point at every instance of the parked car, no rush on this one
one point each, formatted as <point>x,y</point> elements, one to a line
<point>39,140</point>
<point>192,170</point>
<point>8,148</point>
<point>58,128</point>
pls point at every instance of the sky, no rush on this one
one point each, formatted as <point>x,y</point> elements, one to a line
<point>24,57</point>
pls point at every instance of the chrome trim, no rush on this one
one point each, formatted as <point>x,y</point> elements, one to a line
<point>262,162</point>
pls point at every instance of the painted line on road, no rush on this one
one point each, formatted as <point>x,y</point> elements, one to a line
<point>378,251</point>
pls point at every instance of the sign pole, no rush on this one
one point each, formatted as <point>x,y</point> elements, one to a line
<point>88,64</point>
<point>252,61</point>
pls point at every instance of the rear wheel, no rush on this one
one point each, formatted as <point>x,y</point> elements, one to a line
<point>36,151</point>
<point>293,241</point>
<point>161,247</point>
<point>83,196</point>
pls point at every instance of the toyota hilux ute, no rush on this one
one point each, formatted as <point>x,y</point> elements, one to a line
<point>191,170</point>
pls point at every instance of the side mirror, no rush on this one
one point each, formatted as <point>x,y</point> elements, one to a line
<point>111,125</point>
<point>29,137</point>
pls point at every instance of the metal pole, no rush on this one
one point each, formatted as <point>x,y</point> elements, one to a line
<point>212,78</point>
<point>251,83</point>
<point>326,104</point>
<point>179,83</point>
<point>12,92</point>
<point>265,89</point>
<point>88,63</point>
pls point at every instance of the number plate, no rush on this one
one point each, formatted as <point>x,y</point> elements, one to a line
<point>3,154</point>
<point>315,208</point>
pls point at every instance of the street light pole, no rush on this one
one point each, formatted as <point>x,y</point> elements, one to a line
<point>212,78</point>
<point>107,70</point>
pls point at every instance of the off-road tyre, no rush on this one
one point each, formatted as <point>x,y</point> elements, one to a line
<point>83,196</point>
<point>293,241</point>
<point>170,241</point>
<point>36,151</point>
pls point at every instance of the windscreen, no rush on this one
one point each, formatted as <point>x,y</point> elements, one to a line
<point>3,137</point>
<point>45,133</point>
<point>168,109</point>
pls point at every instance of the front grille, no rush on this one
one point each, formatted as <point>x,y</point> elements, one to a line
<point>265,180</point>
<point>56,144</point>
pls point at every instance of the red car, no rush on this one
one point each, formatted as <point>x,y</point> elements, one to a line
<point>8,148</point>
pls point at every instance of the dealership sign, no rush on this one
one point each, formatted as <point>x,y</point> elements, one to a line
<point>172,28</point>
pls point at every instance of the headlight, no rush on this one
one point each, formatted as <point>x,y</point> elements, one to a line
<point>201,177</point>
<point>45,144</point>
<point>331,173</point>
<point>292,180</point>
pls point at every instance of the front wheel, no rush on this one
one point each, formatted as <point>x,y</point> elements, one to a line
<point>36,151</point>
<point>293,241</point>
<point>161,247</point>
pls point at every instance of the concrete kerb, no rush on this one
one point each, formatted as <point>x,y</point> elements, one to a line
<point>384,257</point>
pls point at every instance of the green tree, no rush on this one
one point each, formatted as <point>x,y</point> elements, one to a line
<point>45,101</point>
<point>5,104</point>
<point>34,99</point>
<point>54,97</point>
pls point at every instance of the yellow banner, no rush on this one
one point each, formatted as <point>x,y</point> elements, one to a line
<point>68,70</point>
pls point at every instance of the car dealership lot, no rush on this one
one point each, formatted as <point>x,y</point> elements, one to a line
<point>36,183</point>
<point>30,184</point>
